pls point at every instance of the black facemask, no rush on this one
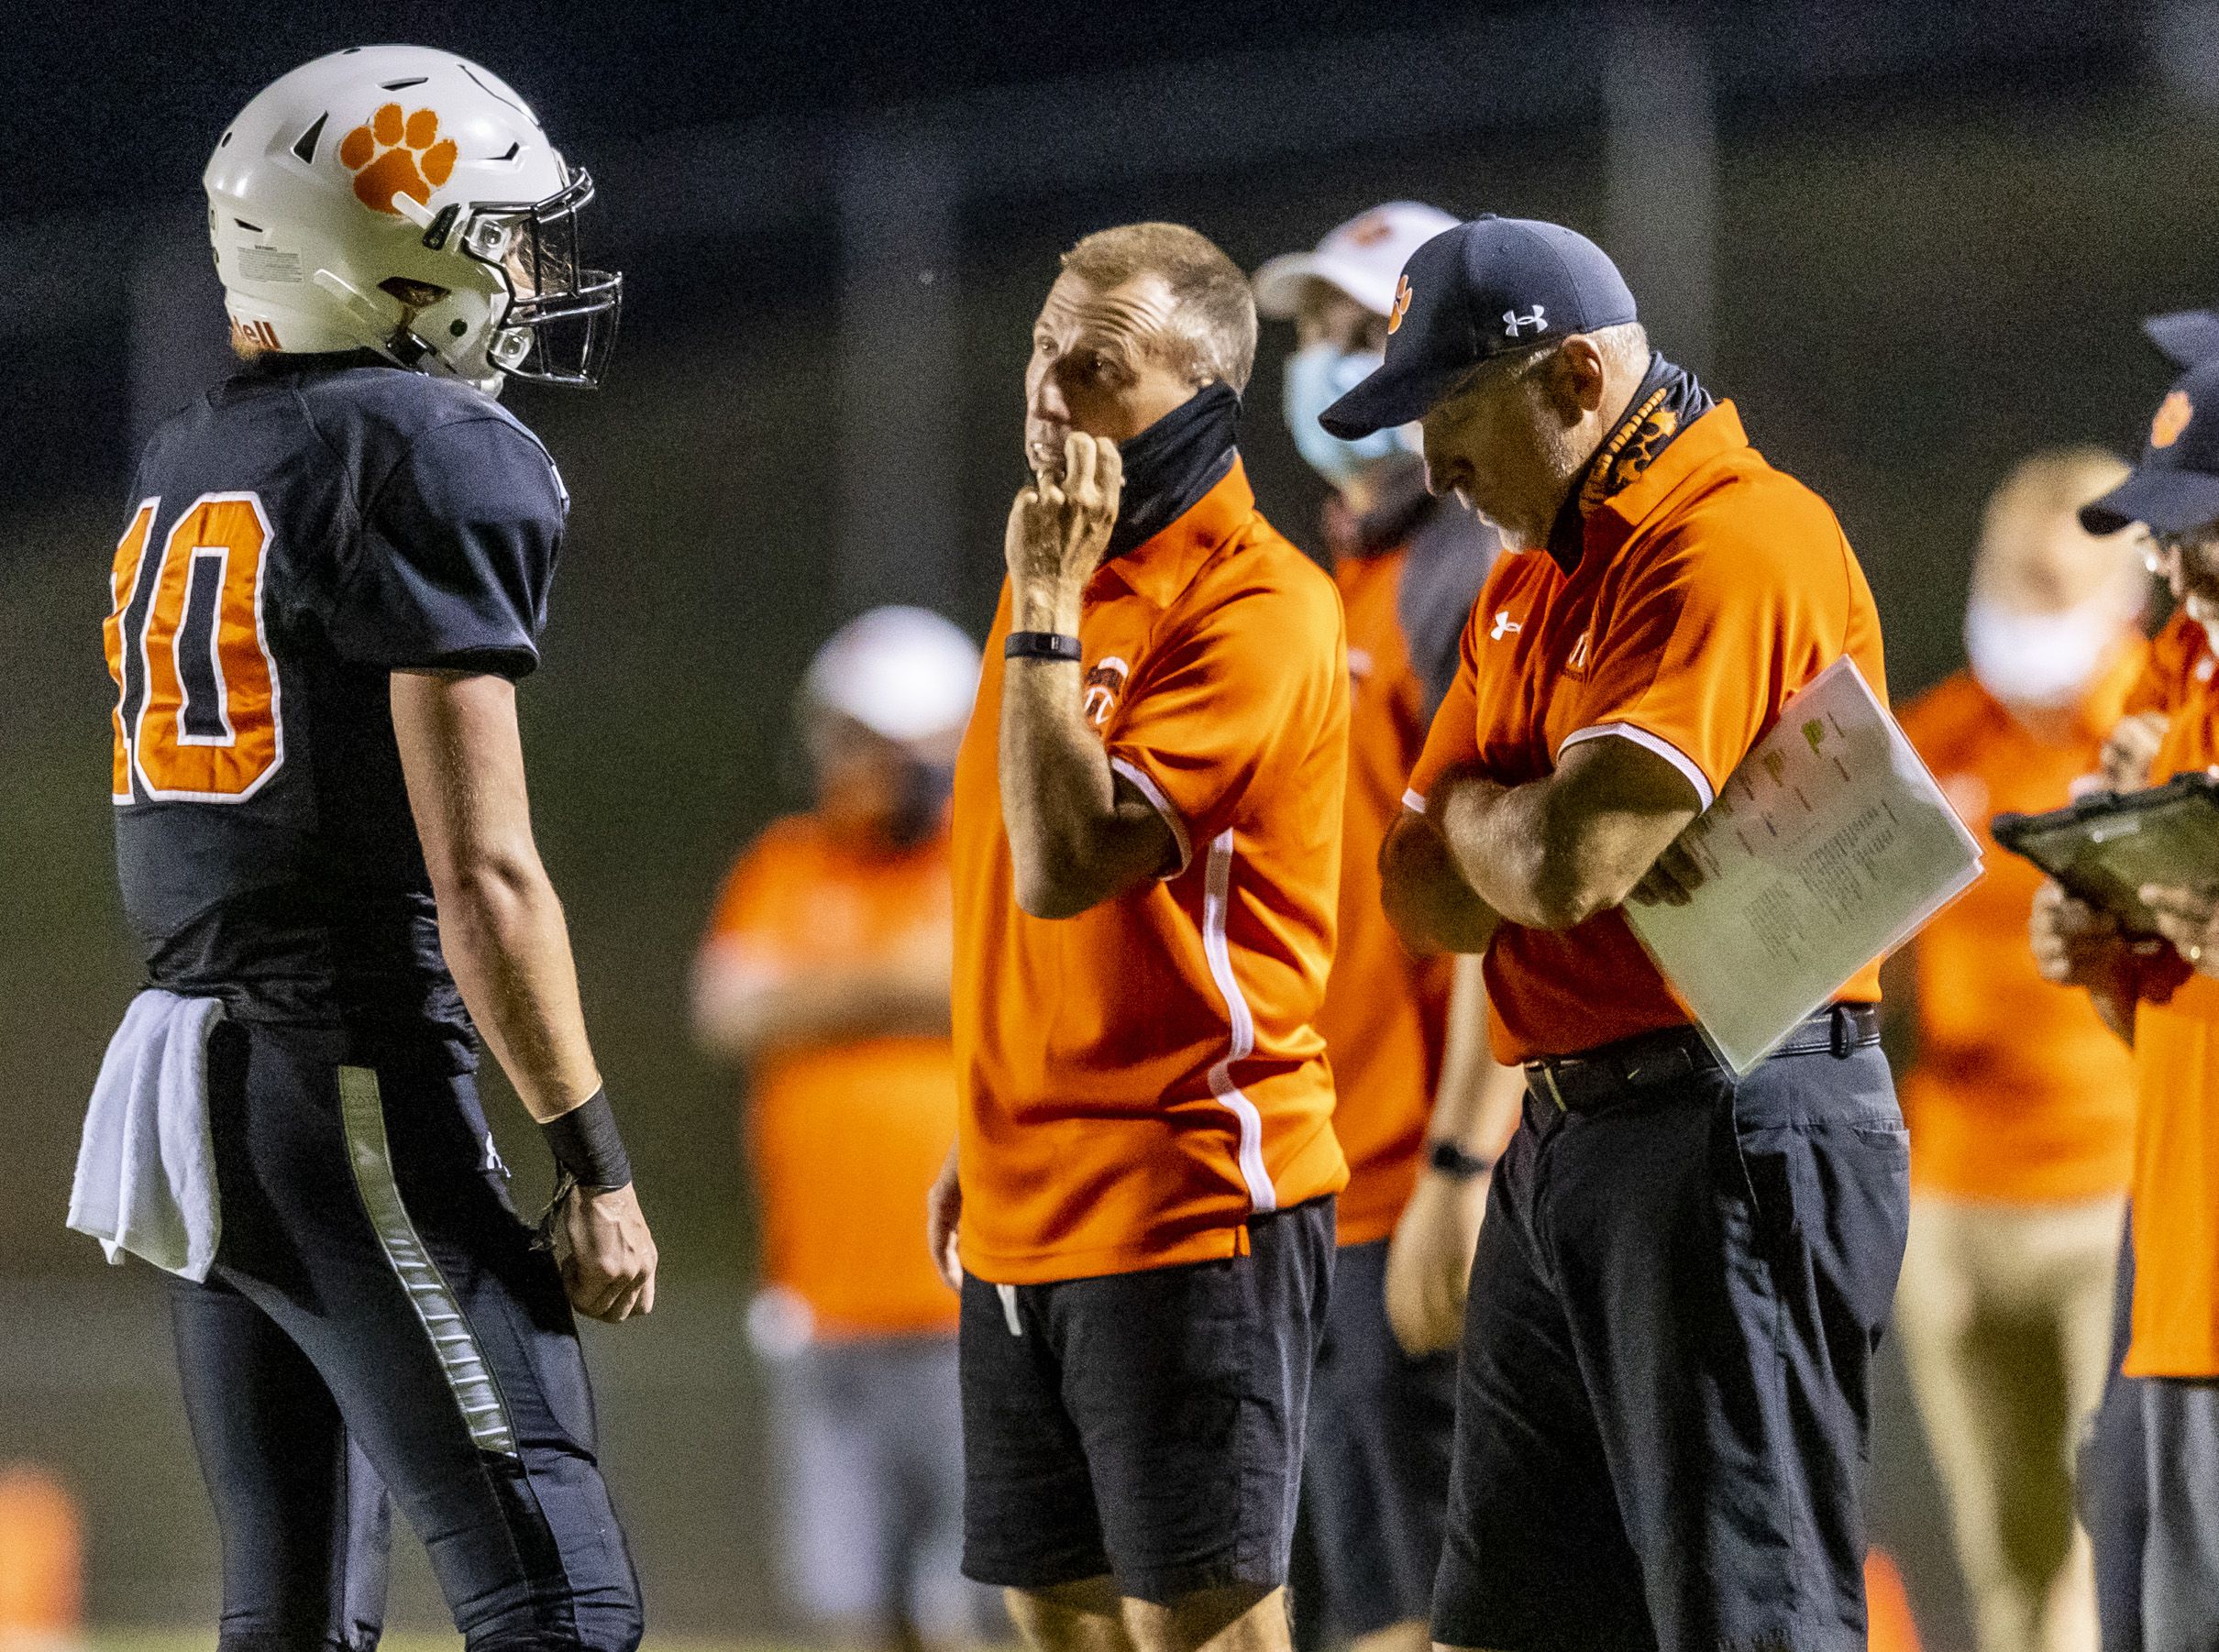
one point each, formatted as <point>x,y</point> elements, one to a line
<point>1170,465</point>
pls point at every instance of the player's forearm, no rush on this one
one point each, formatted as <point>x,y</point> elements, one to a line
<point>1071,846</point>
<point>502,928</point>
<point>1427,899</point>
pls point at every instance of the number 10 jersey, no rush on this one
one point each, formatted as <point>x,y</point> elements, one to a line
<point>297,533</point>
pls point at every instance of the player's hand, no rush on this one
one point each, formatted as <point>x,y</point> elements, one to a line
<point>943,1213</point>
<point>1428,1266</point>
<point>1671,881</point>
<point>605,1253</point>
<point>1059,527</point>
<point>2190,919</point>
<point>2129,749</point>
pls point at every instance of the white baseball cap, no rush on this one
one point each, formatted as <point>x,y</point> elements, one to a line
<point>904,673</point>
<point>1363,258</point>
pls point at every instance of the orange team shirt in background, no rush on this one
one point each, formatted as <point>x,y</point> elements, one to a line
<point>1386,1010</point>
<point>2020,1093</point>
<point>846,1138</point>
<point>1141,1079</point>
<point>2175,1193</point>
<point>1708,588</point>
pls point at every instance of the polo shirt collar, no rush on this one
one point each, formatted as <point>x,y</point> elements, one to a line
<point>1613,521</point>
<point>1157,569</point>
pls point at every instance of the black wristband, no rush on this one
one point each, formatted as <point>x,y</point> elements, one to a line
<point>586,1145</point>
<point>1042,645</point>
<point>1449,1159</point>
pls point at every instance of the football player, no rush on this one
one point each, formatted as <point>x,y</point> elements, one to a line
<point>335,571</point>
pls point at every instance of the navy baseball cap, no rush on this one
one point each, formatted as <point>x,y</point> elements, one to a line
<point>2175,487</point>
<point>2184,337</point>
<point>1489,288</point>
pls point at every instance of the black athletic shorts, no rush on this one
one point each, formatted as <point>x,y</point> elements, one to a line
<point>1664,1409</point>
<point>1376,1479</point>
<point>1144,1426</point>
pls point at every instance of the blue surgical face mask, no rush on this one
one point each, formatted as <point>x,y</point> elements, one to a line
<point>1316,377</point>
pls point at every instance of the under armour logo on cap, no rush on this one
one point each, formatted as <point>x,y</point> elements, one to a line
<point>1402,303</point>
<point>1515,324</point>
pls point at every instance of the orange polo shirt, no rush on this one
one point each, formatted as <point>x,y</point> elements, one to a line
<point>2176,1179</point>
<point>2020,1094</point>
<point>1141,1079</point>
<point>846,1138</point>
<point>1709,587</point>
<point>1386,1011</point>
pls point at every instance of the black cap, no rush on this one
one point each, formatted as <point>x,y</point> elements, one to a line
<point>1481,290</point>
<point>2175,488</point>
<point>2184,337</point>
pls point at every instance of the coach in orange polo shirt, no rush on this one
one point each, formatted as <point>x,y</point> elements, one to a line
<point>1662,1416</point>
<point>1146,855</point>
<point>1376,1476</point>
<point>2168,1006</point>
<point>2020,1101</point>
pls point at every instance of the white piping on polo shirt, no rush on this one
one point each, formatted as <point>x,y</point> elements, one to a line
<point>1217,897</point>
<point>1647,742</point>
<point>1154,794</point>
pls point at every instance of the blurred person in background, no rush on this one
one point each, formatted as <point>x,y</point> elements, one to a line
<point>825,975</point>
<point>2161,997</point>
<point>1375,1474</point>
<point>2020,1101</point>
<point>1139,1210</point>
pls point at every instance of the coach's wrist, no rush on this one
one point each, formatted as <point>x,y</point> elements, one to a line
<point>1041,602</point>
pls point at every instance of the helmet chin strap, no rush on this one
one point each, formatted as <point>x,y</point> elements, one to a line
<point>381,326</point>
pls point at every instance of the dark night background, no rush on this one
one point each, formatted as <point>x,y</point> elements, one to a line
<point>1914,244</point>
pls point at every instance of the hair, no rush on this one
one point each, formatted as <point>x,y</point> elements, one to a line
<point>1212,327</point>
<point>2053,481</point>
<point>1624,348</point>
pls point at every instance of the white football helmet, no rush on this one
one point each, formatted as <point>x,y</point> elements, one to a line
<point>399,164</point>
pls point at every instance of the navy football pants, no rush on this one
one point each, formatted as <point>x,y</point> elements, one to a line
<point>377,1321</point>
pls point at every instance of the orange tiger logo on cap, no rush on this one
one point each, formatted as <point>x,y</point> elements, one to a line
<point>2173,414</point>
<point>1402,303</point>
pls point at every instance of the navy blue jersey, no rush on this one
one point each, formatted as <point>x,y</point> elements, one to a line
<point>301,531</point>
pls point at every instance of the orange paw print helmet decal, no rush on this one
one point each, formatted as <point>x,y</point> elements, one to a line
<point>2173,414</point>
<point>1402,303</point>
<point>392,155</point>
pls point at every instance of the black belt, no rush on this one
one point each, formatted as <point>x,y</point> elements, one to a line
<point>1615,1073</point>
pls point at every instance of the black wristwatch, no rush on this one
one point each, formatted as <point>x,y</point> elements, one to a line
<point>1449,1159</point>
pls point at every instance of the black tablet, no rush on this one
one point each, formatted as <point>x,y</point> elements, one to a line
<point>2107,846</point>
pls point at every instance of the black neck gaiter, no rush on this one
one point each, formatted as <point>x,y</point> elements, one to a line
<point>1170,465</point>
<point>1667,403</point>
